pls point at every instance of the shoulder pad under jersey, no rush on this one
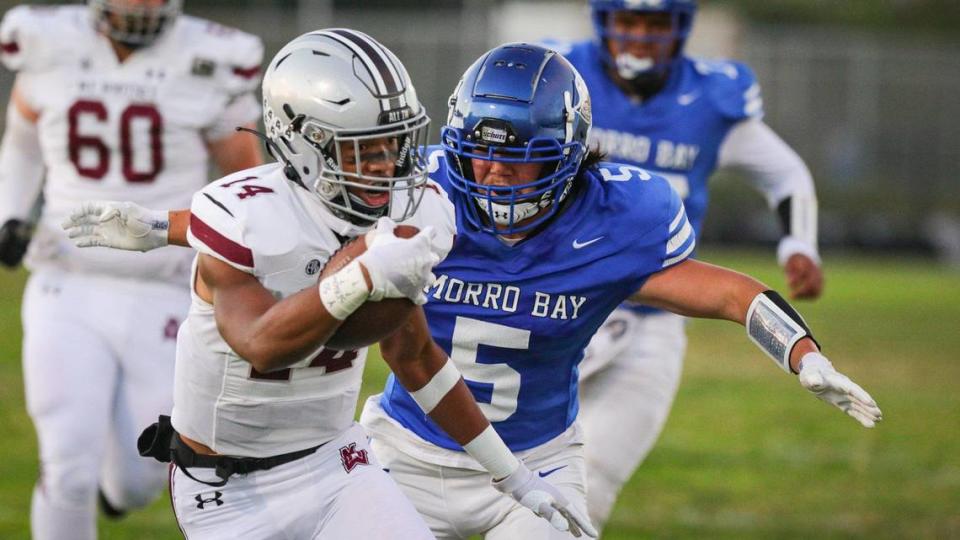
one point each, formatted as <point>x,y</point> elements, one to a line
<point>231,58</point>
<point>241,214</point>
<point>648,210</point>
<point>36,38</point>
<point>732,88</point>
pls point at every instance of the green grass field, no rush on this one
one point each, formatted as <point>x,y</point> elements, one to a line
<point>746,453</point>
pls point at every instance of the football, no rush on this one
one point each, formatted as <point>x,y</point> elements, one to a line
<point>372,321</point>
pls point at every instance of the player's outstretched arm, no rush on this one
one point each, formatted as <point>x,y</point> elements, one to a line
<point>424,369</point>
<point>126,225</point>
<point>698,289</point>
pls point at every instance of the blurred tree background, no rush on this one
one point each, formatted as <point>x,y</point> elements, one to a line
<point>865,90</point>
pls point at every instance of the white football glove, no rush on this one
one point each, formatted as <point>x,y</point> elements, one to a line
<point>818,376</point>
<point>118,225</point>
<point>399,267</point>
<point>546,501</point>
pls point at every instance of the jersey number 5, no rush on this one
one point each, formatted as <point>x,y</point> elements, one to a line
<point>80,145</point>
<point>500,381</point>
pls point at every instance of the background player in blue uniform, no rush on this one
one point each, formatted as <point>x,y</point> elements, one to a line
<point>549,242</point>
<point>682,118</point>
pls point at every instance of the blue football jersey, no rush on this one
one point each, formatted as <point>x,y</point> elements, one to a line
<point>516,319</point>
<point>676,133</point>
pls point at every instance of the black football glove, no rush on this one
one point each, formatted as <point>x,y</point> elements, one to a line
<point>14,239</point>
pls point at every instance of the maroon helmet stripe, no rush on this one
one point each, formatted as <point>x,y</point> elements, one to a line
<point>223,246</point>
<point>10,47</point>
<point>246,73</point>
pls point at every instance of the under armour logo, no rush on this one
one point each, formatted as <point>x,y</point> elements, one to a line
<point>351,457</point>
<point>215,499</point>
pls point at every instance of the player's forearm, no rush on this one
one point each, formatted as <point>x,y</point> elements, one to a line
<point>279,336</point>
<point>444,395</point>
<point>697,289</point>
<point>447,400</point>
<point>269,333</point>
<point>424,369</point>
<point>781,175</point>
<point>177,230</point>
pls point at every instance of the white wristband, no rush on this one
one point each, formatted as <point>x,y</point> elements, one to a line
<point>439,385</point>
<point>791,245</point>
<point>492,453</point>
<point>345,291</point>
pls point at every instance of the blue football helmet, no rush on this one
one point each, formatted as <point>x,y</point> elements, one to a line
<point>681,12</point>
<point>519,103</point>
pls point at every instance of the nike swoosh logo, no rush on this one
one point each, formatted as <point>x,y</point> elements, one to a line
<point>686,99</point>
<point>544,474</point>
<point>577,244</point>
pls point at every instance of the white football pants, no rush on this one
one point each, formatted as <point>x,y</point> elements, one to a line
<point>459,502</point>
<point>628,379</point>
<point>98,357</point>
<point>338,492</point>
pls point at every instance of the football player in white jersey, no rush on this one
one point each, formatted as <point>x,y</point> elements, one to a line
<point>119,98</point>
<point>265,445</point>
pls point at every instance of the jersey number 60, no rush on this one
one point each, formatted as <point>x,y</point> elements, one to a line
<point>77,143</point>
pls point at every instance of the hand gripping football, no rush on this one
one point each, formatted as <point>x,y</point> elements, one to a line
<point>372,321</point>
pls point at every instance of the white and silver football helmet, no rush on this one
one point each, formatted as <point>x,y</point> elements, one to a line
<point>132,23</point>
<point>332,101</point>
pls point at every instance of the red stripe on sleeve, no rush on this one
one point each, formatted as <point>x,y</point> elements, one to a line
<point>10,48</point>
<point>246,73</point>
<point>225,247</point>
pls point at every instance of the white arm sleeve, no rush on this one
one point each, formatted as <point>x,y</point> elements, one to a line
<point>21,167</point>
<point>784,179</point>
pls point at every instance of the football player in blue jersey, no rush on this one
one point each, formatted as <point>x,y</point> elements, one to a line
<point>549,241</point>
<point>682,118</point>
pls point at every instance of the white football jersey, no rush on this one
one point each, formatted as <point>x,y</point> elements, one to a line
<point>260,222</point>
<point>133,131</point>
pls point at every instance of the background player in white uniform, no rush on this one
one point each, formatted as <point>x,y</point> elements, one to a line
<point>680,117</point>
<point>256,393</point>
<point>115,99</point>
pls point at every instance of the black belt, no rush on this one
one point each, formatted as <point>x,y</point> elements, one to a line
<point>163,443</point>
